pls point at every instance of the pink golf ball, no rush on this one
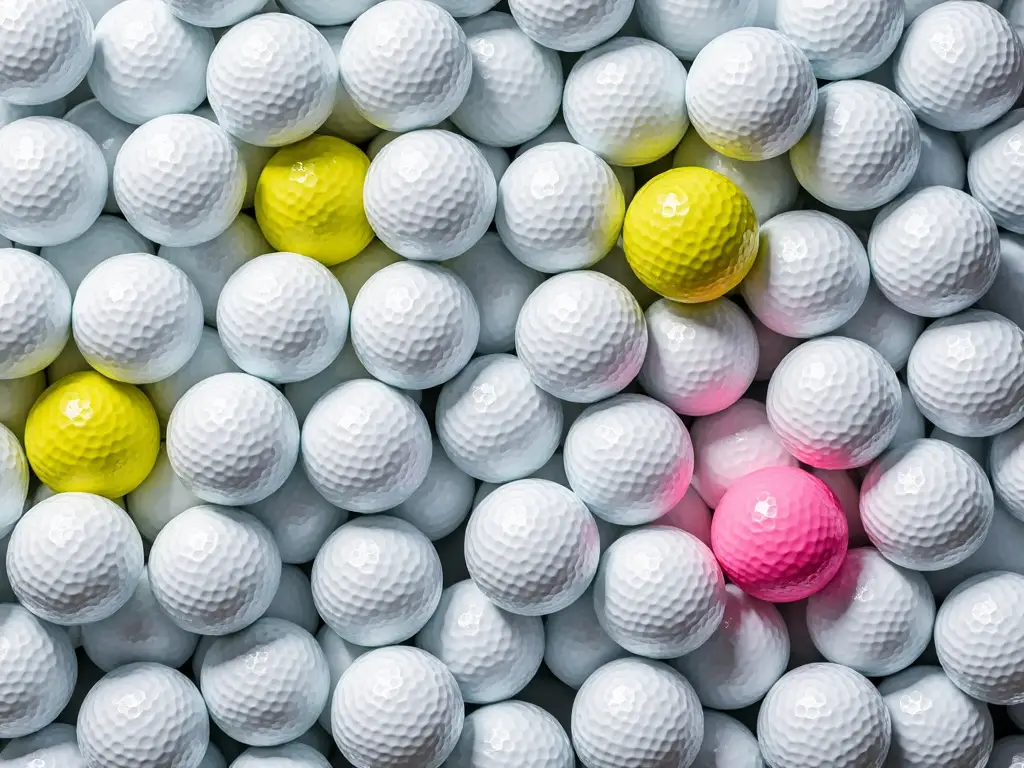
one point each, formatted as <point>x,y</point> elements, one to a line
<point>780,534</point>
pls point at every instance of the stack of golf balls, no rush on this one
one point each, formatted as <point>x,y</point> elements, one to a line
<point>519,384</point>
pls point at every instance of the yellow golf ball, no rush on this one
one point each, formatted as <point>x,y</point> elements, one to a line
<point>690,235</point>
<point>89,433</point>
<point>309,200</point>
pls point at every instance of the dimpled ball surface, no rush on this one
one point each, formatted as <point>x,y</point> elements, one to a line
<point>995,169</point>
<point>559,207</point>
<point>964,373</point>
<point>35,313</point>
<point>376,581</point>
<point>50,747</point>
<point>53,178</point>
<point>148,61</point>
<point>509,735</point>
<point>1006,468</point>
<point>842,38</point>
<point>732,443</point>
<point>690,235</point>
<point>272,80</point>
<point>575,644</point>
<point>884,327</point>
<point>267,684</point>
<point>582,336</point>
<point>430,195</point>
<point>926,505</point>
<point>751,94</point>
<point>233,439</point>
<point>874,616</point>
<point>137,318</point>
<point>74,558</point>
<point>139,631</point>
<point>88,433</point>
<point>48,46</point>
<point>214,570</point>
<point>397,706</point>
<point>309,199</point>
<point>495,423</point>
<point>636,712</point>
<point>701,357</point>
<point>629,458</point>
<point>406,64</point>
<point>780,534</point>
<point>1007,752</point>
<point>935,253</point>
<point>934,722</point>
<point>291,755</point>
<point>824,714</point>
<point>571,26</point>
<point>492,653</point>
<point>835,403</point>
<point>978,637</point>
<point>727,743</point>
<point>971,77</point>
<point>532,547</point>
<point>516,88</point>
<point>686,27</point>
<point>179,180</point>
<point>365,446</point>
<point>108,236</point>
<point>843,160</point>
<point>659,592</point>
<point>811,274</point>
<point>14,478</point>
<point>143,716</point>
<point>744,657</point>
<point>283,317</point>
<point>636,115</point>
<point>39,671</point>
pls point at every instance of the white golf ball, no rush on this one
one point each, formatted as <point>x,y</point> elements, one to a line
<point>376,581</point>
<point>397,705</point>
<point>525,735</point>
<point>979,638</point>
<point>727,744</point>
<point>862,148</point>
<point>74,558</point>
<point>272,80</point>
<point>686,27</point>
<point>532,547</point>
<point>835,403</point>
<point>995,169</point>
<point>137,318</point>
<point>56,744</point>
<point>926,505</point>
<point>743,658</point>
<point>406,64</point>
<point>751,94</point>
<point>884,327</point>
<point>701,357</point>
<point>811,274</point>
<point>365,446</point>
<point>874,617</point>
<point>516,88</point>
<point>53,181</point>
<point>824,713</point>
<point>143,716</point>
<point>109,133</point>
<point>214,570</point>
<point>570,26</point>
<point>842,38</point>
<point>429,195</point>
<point>266,684</point>
<point>233,439</point>
<point>148,62</point>
<point>963,373</point>
<point>971,78</point>
<point>492,653</point>
<point>582,336</point>
<point>629,459</point>
<point>575,643</point>
<point>159,498</point>
<point>293,601</point>
<point>108,236</point>
<point>179,180</point>
<point>442,501</point>
<point>638,115</point>
<point>659,592</point>
<point>935,252</point>
<point>35,312</point>
<point>636,712</point>
<point>47,48</point>
<point>14,476</point>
